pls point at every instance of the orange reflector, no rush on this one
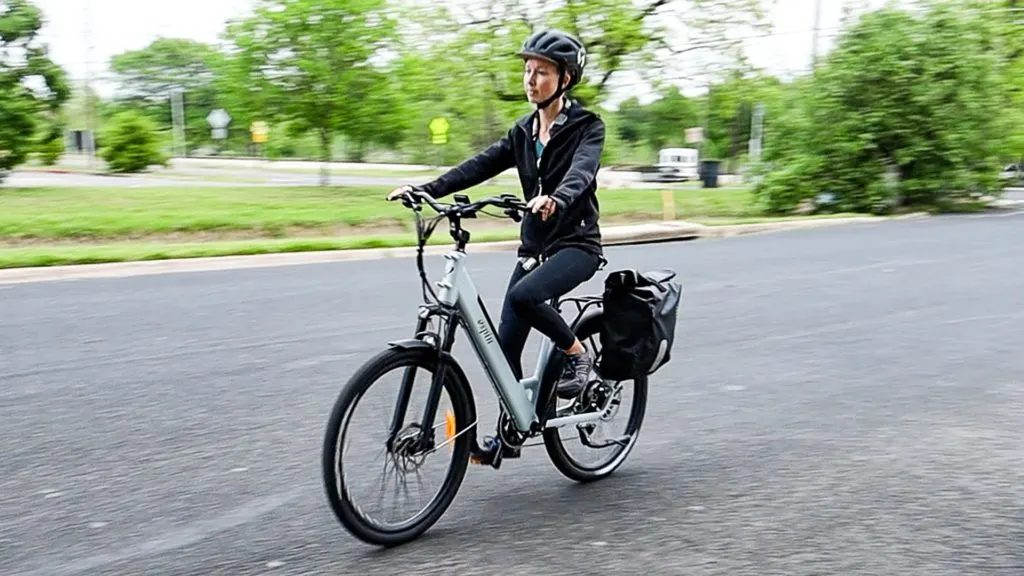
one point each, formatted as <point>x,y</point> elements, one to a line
<point>449,426</point>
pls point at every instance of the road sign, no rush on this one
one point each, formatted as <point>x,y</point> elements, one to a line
<point>259,131</point>
<point>218,118</point>
<point>439,130</point>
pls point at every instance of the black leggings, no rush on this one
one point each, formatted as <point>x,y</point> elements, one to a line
<point>526,301</point>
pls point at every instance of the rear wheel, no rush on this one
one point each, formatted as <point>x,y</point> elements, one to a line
<point>407,455</point>
<point>599,395</point>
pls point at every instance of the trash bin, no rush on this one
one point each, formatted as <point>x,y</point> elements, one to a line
<point>709,173</point>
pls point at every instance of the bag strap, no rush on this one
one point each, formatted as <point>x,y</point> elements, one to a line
<point>630,279</point>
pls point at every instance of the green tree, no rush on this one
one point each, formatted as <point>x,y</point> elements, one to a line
<point>1011,26</point>
<point>131,143</point>
<point>32,87</point>
<point>460,55</point>
<point>634,120</point>
<point>471,77</point>
<point>146,78</point>
<point>727,111</point>
<point>246,101</point>
<point>1014,112</point>
<point>648,37</point>
<point>904,112</point>
<point>76,109</point>
<point>661,123</point>
<point>671,116</point>
<point>312,58</point>
<point>50,142</point>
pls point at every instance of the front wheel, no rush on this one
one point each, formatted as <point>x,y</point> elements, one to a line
<point>406,454</point>
<point>594,436</point>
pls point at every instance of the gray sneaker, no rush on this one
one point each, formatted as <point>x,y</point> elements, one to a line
<point>576,374</point>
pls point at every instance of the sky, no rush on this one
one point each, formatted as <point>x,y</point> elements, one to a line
<point>121,25</point>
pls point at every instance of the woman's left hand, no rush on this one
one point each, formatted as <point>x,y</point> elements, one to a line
<point>543,204</point>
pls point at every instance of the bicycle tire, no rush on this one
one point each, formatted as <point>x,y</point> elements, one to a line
<point>563,461</point>
<point>337,495</point>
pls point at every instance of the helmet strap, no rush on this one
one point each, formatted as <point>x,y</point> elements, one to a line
<point>558,93</point>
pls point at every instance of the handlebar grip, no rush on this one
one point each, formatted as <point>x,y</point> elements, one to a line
<point>418,196</point>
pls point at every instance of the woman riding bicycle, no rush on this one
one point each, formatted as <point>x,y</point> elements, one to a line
<point>557,151</point>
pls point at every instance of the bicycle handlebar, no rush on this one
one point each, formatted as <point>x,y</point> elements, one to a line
<point>413,198</point>
<point>462,208</point>
<point>512,204</point>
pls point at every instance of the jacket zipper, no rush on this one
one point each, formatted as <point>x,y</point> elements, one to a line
<point>535,137</point>
<point>540,174</point>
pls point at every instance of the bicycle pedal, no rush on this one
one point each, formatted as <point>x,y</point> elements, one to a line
<point>491,455</point>
<point>492,460</point>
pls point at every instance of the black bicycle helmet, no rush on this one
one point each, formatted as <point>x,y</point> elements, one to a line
<point>562,50</point>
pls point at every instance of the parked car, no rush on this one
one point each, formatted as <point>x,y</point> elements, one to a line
<point>674,165</point>
<point>1013,173</point>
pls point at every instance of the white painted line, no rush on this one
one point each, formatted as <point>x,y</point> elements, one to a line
<point>172,540</point>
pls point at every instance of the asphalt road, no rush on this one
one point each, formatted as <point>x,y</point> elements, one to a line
<point>842,401</point>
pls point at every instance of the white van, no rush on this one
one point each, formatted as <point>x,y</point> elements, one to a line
<point>677,164</point>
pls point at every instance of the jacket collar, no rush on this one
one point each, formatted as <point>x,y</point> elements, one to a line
<point>570,114</point>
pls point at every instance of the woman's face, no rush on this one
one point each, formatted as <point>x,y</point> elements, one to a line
<point>540,79</point>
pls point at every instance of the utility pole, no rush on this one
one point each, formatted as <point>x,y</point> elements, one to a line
<point>178,121</point>
<point>756,139</point>
<point>756,132</point>
<point>90,119</point>
<point>817,29</point>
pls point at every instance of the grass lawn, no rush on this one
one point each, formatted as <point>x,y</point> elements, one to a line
<point>55,226</point>
<point>48,215</point>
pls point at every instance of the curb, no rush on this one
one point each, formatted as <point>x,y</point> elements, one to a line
<point>729,231</point>
<point>614,236</point>
<point>68,171</point>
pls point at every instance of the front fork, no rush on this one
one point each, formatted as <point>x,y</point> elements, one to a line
<point>442,349</point>
<point>405,391</point>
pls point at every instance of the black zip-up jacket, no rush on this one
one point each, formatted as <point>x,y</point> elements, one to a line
<point>567,172</point>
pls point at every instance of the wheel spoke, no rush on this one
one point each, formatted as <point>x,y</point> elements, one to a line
<point>406,462</point>
<point>611,447</point>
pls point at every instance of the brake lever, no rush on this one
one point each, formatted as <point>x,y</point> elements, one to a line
<point>513,207</point>
<point>408,202</point>
<point>514,214</point>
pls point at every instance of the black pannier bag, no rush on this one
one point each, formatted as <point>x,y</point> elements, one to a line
<point>639,323</point>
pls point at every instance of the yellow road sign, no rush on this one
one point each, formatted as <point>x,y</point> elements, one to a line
<point>439,130</point>
<point>259,131</point>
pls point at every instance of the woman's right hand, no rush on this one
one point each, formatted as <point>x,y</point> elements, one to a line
<point>398,192</point>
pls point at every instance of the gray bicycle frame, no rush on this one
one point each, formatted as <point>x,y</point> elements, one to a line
<point>456,289</point>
